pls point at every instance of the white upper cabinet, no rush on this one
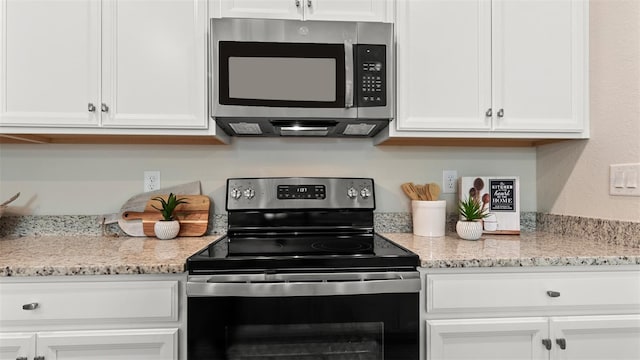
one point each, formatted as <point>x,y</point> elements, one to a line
<point>492,68</point>
<point>103,63</point>
<point>49,62</point>
<point>154,69</point>
<point>331,10</point>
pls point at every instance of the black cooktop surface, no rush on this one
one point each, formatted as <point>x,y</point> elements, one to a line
<point>347,252</point>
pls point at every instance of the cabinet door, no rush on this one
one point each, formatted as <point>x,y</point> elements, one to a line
<point>258,9</point>
<point>487,339</point>
<point>17,346</point>
<point>540,65</point>
<point>596,337</point>
<point>49,62</point>
<point>341,10</point>
<point>444,65</point>
<point>154,64</point>
<point>157,344</point>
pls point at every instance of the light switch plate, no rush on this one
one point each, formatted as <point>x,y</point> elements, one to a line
<point>624,179</point>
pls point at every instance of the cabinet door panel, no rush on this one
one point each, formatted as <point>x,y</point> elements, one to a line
<point>341,10</point>
<point>16,345</point>
<point>49,61</point>
<point>539,64</point>
<point>597,337</point>
<point>154,68</point>
<point>259,9</point>
<point>487,339</point>
<point>147,344</point>
<point>444,65</point>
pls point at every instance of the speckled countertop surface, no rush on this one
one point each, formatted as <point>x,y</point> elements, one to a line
<point>98,255</point>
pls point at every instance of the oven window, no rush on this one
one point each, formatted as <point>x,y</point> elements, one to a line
<point>308,341</point>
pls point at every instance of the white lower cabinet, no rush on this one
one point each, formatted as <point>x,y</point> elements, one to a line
<point>538,314</point>
<point>91,345</point>
<point>92,317</point>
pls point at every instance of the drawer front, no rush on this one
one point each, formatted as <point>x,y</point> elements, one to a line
<point>504,292</point>
<point>88,302</point>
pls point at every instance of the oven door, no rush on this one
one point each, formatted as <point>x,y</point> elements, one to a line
<point>304,316</point>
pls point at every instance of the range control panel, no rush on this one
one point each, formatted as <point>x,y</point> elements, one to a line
<point>300,193</point>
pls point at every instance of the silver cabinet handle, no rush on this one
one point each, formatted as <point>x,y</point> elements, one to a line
<point>104,107</point>
<point>547,343</point>
<point>489,113</point>
<point>501,113</point>
<point>553,293</point>
<point>91,107</point>
<point>31,306</point>
<point>297,3</point>
<point>562,343</point>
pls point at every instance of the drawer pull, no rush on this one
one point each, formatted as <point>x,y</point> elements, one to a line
<point>553,293</point>
<point>22,358</point>
<point>562,343</point>
<point>31,306</point>
<point>38,358</point>
<point>547,343</point>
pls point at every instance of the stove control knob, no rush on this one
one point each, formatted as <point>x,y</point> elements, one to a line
<point>249,193</point>
<point>352,193</point>
<point>365,193</point>
<point>236,193</point>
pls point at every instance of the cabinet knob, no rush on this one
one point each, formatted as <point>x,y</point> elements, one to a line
<point>297,3</point>
<point>501,113</point>
<point>91,107</point>
<point>104,108</point>
<point>308,3</point>
<point>31,306</point>
<point>489,113</point>
<point>553,293</point>
<point>547,343</point>
<point>38,358</point>
<point>22,358</point>
<point>562,343</point>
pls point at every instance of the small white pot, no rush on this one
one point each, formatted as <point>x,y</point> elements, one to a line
<point>469,230</point>
<point>166,229</point>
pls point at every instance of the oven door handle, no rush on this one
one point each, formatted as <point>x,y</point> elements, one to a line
<point>302,288</point>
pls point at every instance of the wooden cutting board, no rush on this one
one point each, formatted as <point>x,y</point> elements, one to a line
<point>193,216</point>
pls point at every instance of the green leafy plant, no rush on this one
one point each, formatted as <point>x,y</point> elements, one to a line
<point>168,206</point>
<point>471,209</point>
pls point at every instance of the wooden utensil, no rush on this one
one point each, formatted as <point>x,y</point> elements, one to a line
<point>423,191</point>
<point>193,216</point>
<point>434,191</point>
<point>410,190</point>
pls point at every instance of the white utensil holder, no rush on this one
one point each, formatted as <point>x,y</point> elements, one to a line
<point>429,217</point>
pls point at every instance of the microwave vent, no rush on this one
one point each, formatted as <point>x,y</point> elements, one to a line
<point>244,128</point>
<point>358,129</point>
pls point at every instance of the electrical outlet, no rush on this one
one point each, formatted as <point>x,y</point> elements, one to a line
<point>151,180</point>
<point>449,181</point>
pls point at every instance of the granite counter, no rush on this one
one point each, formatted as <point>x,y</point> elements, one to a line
<point>103,255</point>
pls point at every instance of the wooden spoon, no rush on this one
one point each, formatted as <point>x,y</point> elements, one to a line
<point>434,190</point>
<point>423,191</point>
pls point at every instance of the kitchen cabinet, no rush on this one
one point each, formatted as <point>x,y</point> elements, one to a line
<point>91,66</point>
<point>90,317</point>
<point>491,69</point>
<point>532,314</point>
<point>329,10</point>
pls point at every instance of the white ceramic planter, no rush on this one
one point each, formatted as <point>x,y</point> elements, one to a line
<point>469,230</point>
<point>166,229</point>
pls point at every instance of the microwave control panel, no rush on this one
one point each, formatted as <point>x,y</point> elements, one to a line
<point>371,87</point>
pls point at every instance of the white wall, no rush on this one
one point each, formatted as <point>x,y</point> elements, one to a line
<point>97,179</point>
<point>573,177</point>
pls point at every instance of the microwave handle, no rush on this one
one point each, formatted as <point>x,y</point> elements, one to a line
<point>349,70</point>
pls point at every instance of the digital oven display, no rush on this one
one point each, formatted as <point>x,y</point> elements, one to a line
<point>286,192</point>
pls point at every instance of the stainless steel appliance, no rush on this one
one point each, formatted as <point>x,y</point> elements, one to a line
<point>301,274</point>
<point>301,78</point>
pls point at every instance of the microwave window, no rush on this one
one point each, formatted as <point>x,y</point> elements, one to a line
<point>282,79</point>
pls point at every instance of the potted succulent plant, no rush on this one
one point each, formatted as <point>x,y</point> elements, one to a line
<point>168,227</point>
<point>469,227</point>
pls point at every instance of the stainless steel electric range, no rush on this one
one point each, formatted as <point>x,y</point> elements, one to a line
<point>301,274</point>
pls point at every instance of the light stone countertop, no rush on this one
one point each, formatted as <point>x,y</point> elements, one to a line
<point>98,255</point>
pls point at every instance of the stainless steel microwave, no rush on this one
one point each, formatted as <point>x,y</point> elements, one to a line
<point>301,78</point>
